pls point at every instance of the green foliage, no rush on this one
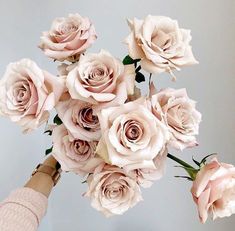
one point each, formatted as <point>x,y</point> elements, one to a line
<point>203,161</point>
<point>139,77</point>
<point>57,120</point>
<point>128,60</point>
<point>196,162</point>
<point>48,151</point>
<point>48,132</point>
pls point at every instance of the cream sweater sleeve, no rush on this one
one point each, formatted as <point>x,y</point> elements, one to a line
<point>22,210</point>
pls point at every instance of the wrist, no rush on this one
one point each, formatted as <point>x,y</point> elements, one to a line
<point>41,182</point>
<point>51,162</point>
<point>49,169</point>
<point>45,176</point>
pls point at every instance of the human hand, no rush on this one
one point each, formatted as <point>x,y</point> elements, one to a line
<point>43,182</point>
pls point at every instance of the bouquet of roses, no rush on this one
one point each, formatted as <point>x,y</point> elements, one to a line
<point>104,129</point>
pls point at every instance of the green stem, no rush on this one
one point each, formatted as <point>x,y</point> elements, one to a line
<point>179,161</point>
<point>187,167</point>
<point>150,78</point>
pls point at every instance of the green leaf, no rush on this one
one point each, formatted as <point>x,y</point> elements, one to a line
<point>48,132</point>
<point>185,177</point>
<point>203,161</point>
<point>196,162</point>
<point>128,60</point>
<point>58,166</point>
<point>57,120</point>
<point>139,77</point>
<point>138,69</point>
<point>48,151</point>
<point>191,171</point>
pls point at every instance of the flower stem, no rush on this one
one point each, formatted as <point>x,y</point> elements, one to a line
<point>192,172</point>
<point>179,161</point>
<point>150,78</point>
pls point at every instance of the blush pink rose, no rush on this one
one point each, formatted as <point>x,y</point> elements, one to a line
<point>80,119</point>
<point>145,175</point>
<point>178,112</point>
<point>68,38</point>
<point>101,79</point>
<point>111,191</point>
<point>131,135</point>
<point>73,154</point>
<point>27,94</point>
<point>214,190</point>
<point>160,44</point>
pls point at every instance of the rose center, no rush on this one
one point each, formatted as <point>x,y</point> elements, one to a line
<point>162,40</point>
<point>80,147</point>
<point>133,130</point>
<point>97,74</point>
<point>88,119</point>
<point>21,93</point>
<point>68,28</point>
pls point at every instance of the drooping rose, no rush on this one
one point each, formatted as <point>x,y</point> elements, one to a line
<point>131,135</point>
<point>27,94</point>
<point>145,175</point>
<point>178,111</point>
<point>80,119</point>
<point>214,190</point>
<point>111,191</point>
<point>101,78</point>
<point>160,44</point>
<point>68,38</point>
<point>73,154</point>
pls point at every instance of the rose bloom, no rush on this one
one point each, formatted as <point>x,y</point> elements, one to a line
<point>160,44</point>
<point>73,154</point>
<point>214,190</point>
<point>80,119</point>
<point>131,135</point>
<point>145,175</point>
<point>27,93</point>
<point>178,111</point>
<point>111,191</point>
<point>101,78</point>
<point>68,38</point>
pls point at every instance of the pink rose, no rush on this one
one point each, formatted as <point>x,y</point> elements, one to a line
<point>111,191</point>
<point>73,154</point>
<point>131,135</point>
<point>80,119</point>
<point>178,111</point>
<point>160,44</point>
<point>101,78</point>
<point>27,93</point>
<point>68,38</point>
<point>145,175</point>
<point>214,190</point>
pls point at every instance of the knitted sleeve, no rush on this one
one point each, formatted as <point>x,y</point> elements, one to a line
<point>22,210</point>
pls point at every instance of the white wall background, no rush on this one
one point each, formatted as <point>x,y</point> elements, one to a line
<point>168,204</point>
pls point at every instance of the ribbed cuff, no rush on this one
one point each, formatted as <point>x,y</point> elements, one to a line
<point>34,201</point>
